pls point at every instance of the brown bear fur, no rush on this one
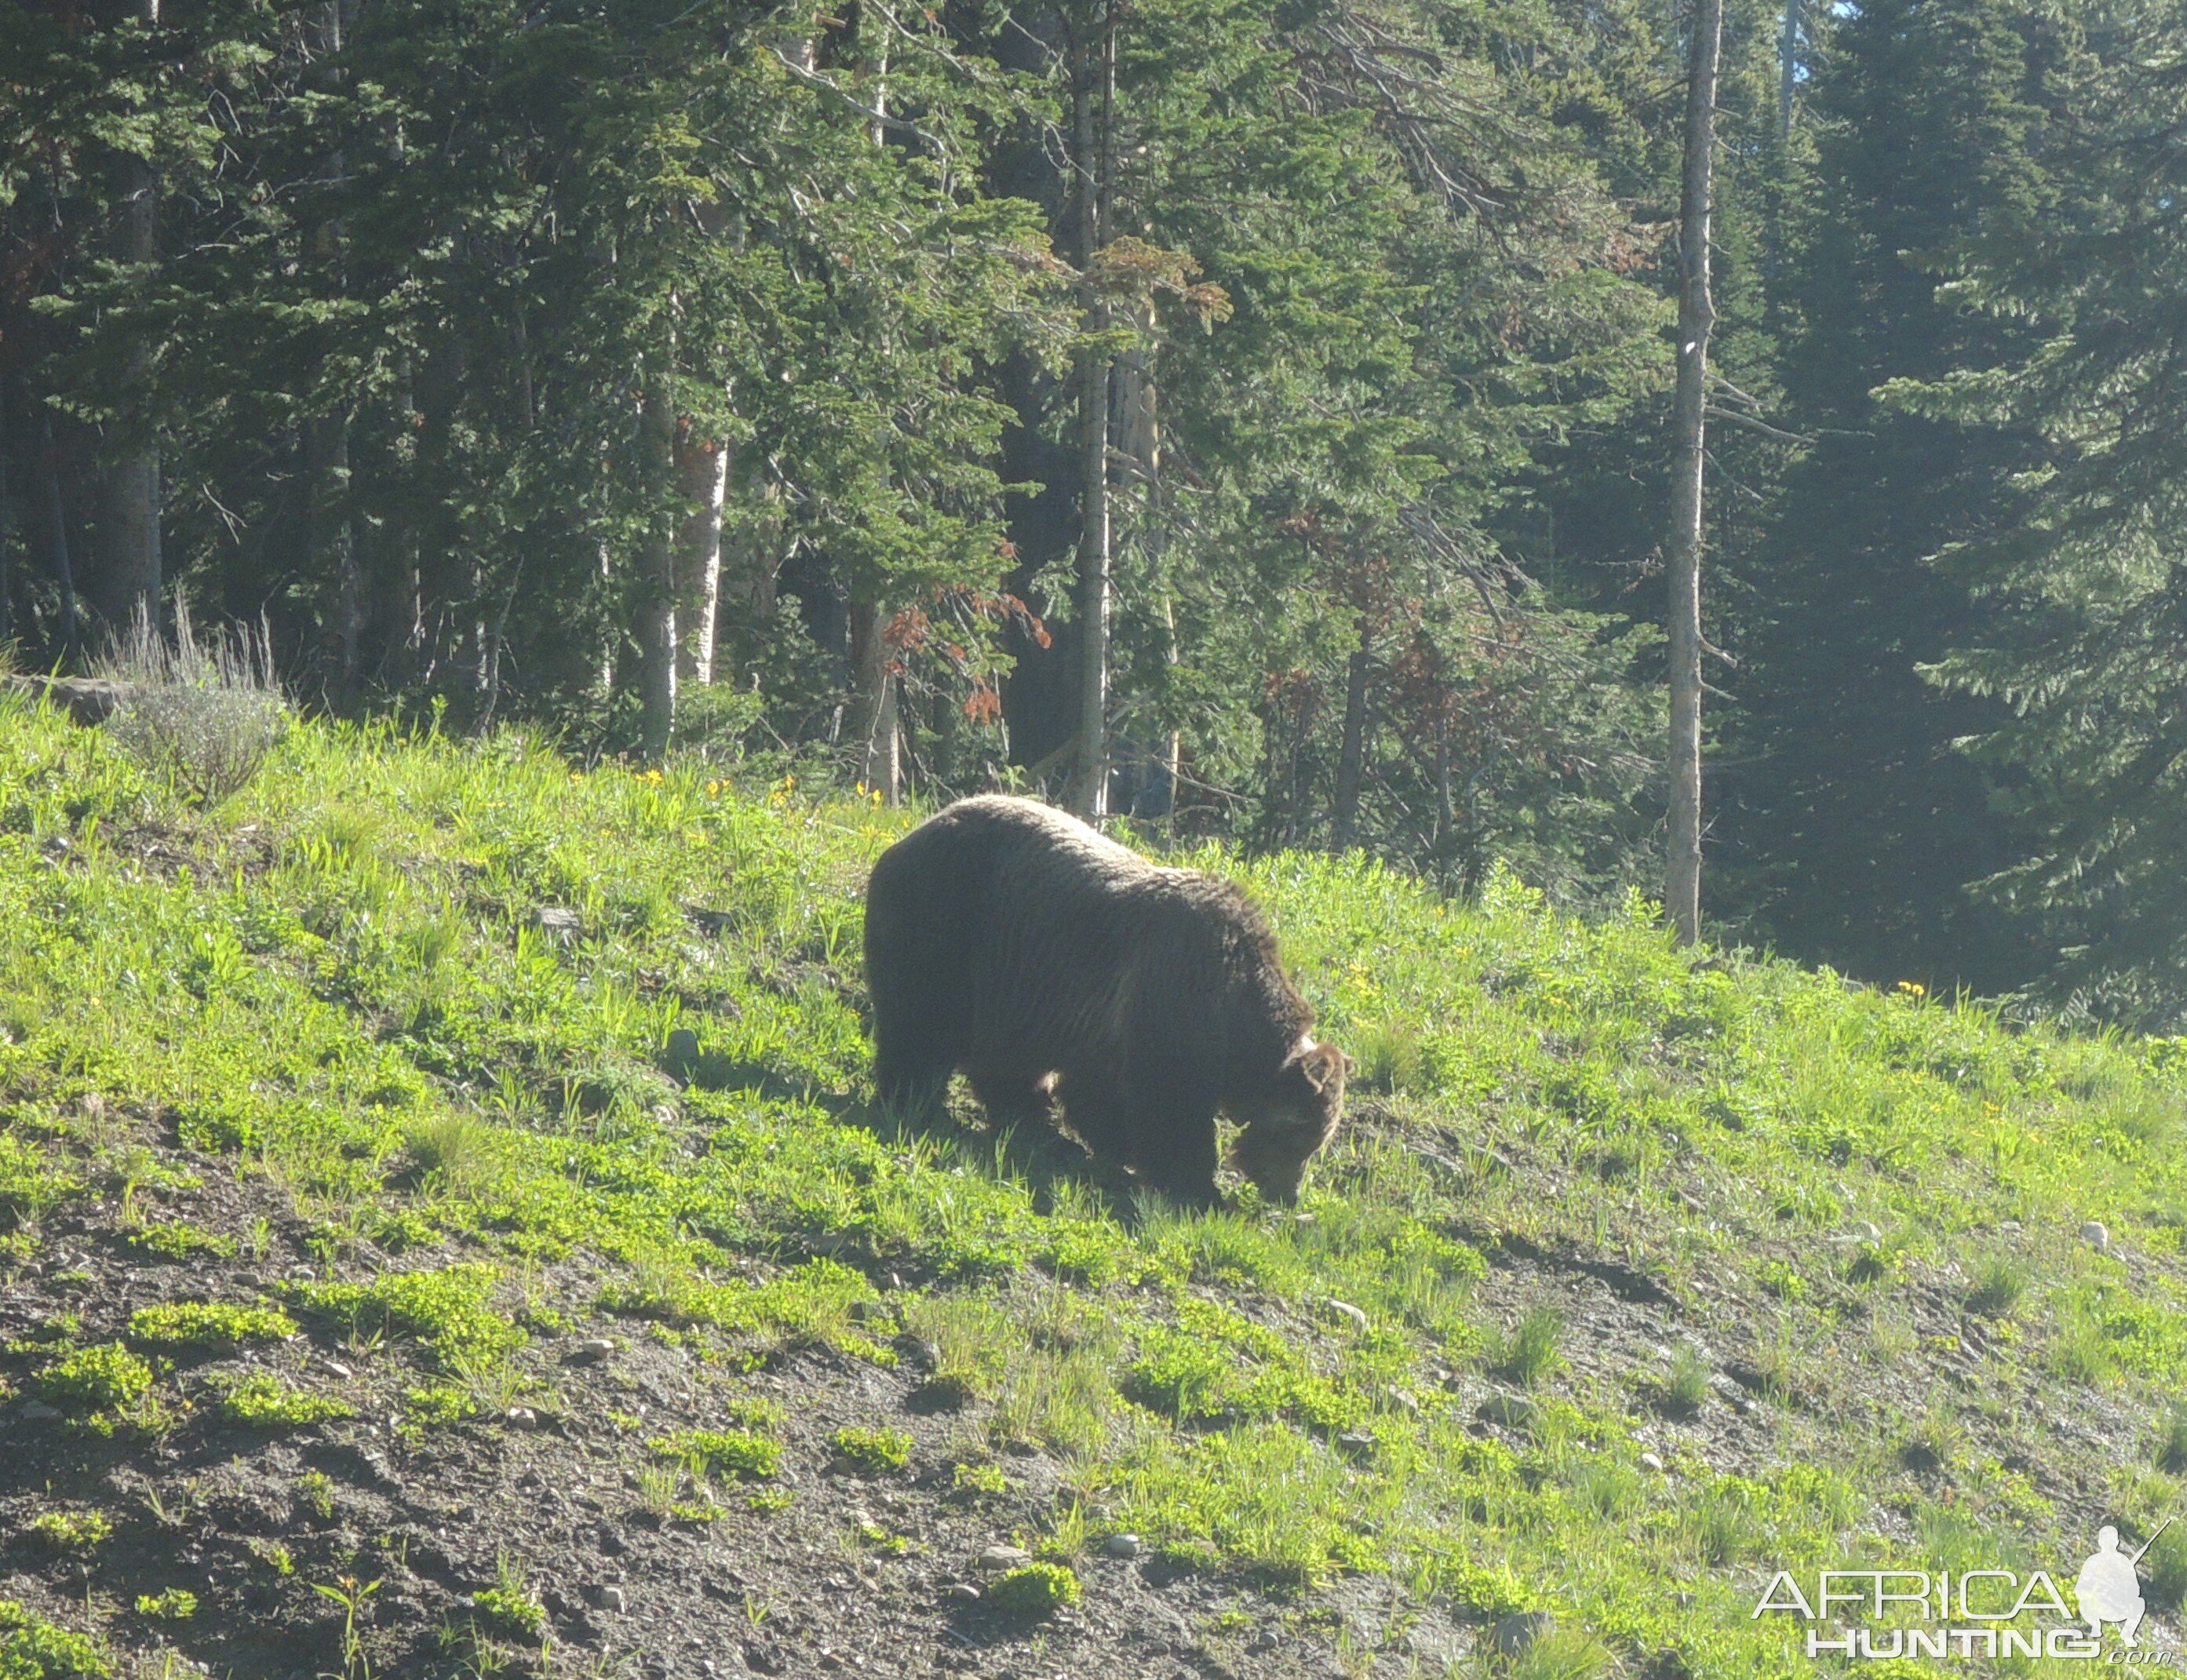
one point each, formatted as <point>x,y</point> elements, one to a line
<point>1016,943</point>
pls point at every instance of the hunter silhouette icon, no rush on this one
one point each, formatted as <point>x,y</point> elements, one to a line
<point>2107,1588</point>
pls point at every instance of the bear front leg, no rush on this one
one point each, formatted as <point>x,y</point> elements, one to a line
<point>1095,1110</point>
<point>1009,1096</point>
<point>911,1068</point>
<point>1174,1150</point>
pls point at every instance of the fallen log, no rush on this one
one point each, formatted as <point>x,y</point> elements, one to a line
<point>89,699</point>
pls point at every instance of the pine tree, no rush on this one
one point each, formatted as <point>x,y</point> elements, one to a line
<point>2081,645</point>
<point>1851,828</point>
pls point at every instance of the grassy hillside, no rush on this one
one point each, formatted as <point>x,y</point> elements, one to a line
<point>443,1230</point>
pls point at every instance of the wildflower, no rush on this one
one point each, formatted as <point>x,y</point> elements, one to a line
<point>1912,988</point>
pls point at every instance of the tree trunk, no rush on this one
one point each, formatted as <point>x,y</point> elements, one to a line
<point>129,485</point>
<point>405,607</point>
<point>1446,818</point>
<point>1788,54</point>
<point>1682,875</point>
<point>7,537</point>
<point>1351,754</point>
<point>1093,79</point>
<point>655,622</point>
<point>330,545</point>
<point>702,474</point>
<point>880,756</point>
<point>751,549</point>
<point>57,542</point>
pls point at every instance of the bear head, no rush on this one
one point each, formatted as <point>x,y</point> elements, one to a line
<point>1298,1112</point>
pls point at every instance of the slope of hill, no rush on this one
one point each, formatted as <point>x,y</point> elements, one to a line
<point>442,1230</point>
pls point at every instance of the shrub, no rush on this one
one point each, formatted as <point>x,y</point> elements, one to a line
<point>437,1406</point>
<point>34,1649</point>
<point>202,714</point>
<point>181,1242</point>
<point>72,1531</point>
<point>511,1609</point>
<point>104,1377</point>
<point>445,1308</point>
<point>265,1402</point>
<point>1035,1590</point>
<point>733,1452</point>
<point>198,1323</point>
<point>872,1452</point>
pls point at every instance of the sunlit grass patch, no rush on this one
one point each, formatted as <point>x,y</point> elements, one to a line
<point>361,1014</point>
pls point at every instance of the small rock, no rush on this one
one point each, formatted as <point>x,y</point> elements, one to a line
<point>1352,1315</point>
<point>591,1351</point>
<point>1004,1556</point>
<point>523,1416</point>
<point>1355,1442</point>
<point>1516,1633</point>
<point>924,1355</point>
<point>1866,1230</point>
<point>335,1368</point>
<point>865,1311</point>
<point>37,1412</point>
<point>1123,1546</point>
<point>1649,1461</point>
<point>962,1591</point>
<point>562,924</point>
<point>1404,1401</point>
<point>1507,1411</point>
<point>1747,1406</point>
<point>2096,1237</point>
<point>682,1051</point>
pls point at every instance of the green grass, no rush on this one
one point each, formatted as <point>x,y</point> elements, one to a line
<point>1530,1352</point>
<point>346,1000</point>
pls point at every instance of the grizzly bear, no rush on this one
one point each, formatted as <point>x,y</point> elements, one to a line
<point>1016,943</point>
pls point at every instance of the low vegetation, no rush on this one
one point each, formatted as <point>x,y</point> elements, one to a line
<point>1643,1273</point>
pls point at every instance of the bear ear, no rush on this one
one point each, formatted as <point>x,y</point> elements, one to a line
<point>1325,1066</point>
